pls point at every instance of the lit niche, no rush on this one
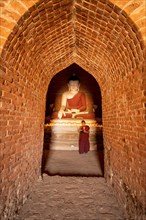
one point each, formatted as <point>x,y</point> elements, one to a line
<point>72,96</point>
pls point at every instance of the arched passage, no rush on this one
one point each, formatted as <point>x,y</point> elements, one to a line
<point>61,137</point>
<point>102,39</point>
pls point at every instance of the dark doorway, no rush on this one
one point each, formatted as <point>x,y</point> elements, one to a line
<point>65,159</point>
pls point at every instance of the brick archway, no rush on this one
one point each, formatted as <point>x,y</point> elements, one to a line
<point>102,39</point>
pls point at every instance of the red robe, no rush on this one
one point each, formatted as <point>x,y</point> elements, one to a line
<point>77,102</point>
<point>84,145</point>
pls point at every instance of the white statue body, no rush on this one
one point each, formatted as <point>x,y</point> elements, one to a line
<point>73,90</point>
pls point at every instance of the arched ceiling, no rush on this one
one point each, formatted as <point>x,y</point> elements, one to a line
<point>107,35</point>
<point>12,10</point>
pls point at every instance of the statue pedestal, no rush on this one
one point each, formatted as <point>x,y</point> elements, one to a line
<point>62,134</point>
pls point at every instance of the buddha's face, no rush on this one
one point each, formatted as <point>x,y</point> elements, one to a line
<point>74,86</point>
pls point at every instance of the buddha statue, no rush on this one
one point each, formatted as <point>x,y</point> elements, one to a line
<point>73,102</point>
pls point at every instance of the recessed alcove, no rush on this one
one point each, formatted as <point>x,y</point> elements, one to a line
<point>62,134</point>
<point>88,84</point>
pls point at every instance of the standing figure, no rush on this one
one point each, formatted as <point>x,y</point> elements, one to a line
<point>84,145</point>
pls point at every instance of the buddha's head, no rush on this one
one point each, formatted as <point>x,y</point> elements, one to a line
<point>74,83</point>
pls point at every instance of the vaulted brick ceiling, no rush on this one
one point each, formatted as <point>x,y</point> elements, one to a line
<point>107,36</point>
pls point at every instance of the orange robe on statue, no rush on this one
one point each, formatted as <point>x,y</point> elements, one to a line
<point>77,102</point>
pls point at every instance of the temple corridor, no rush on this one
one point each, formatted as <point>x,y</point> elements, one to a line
<point>38,40</point>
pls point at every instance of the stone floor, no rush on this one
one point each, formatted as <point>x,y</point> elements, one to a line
<point>71,163</point>
<point>71,197</point>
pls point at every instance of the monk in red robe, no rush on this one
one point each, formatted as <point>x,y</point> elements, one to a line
<point>84,145</point>
<point>73,103</point>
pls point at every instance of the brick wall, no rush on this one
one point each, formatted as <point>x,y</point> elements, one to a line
<point>22,136</point>
<point>124,141</point>
<point>103,40</point>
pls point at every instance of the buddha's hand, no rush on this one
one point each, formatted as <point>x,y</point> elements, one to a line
<point>69,111</point>
<point>75,110</point>
<point>61,113</point>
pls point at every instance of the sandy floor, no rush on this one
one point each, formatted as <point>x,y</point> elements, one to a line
<point>71,163</point>
<point>71,198</point>
<point>72,188</point>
